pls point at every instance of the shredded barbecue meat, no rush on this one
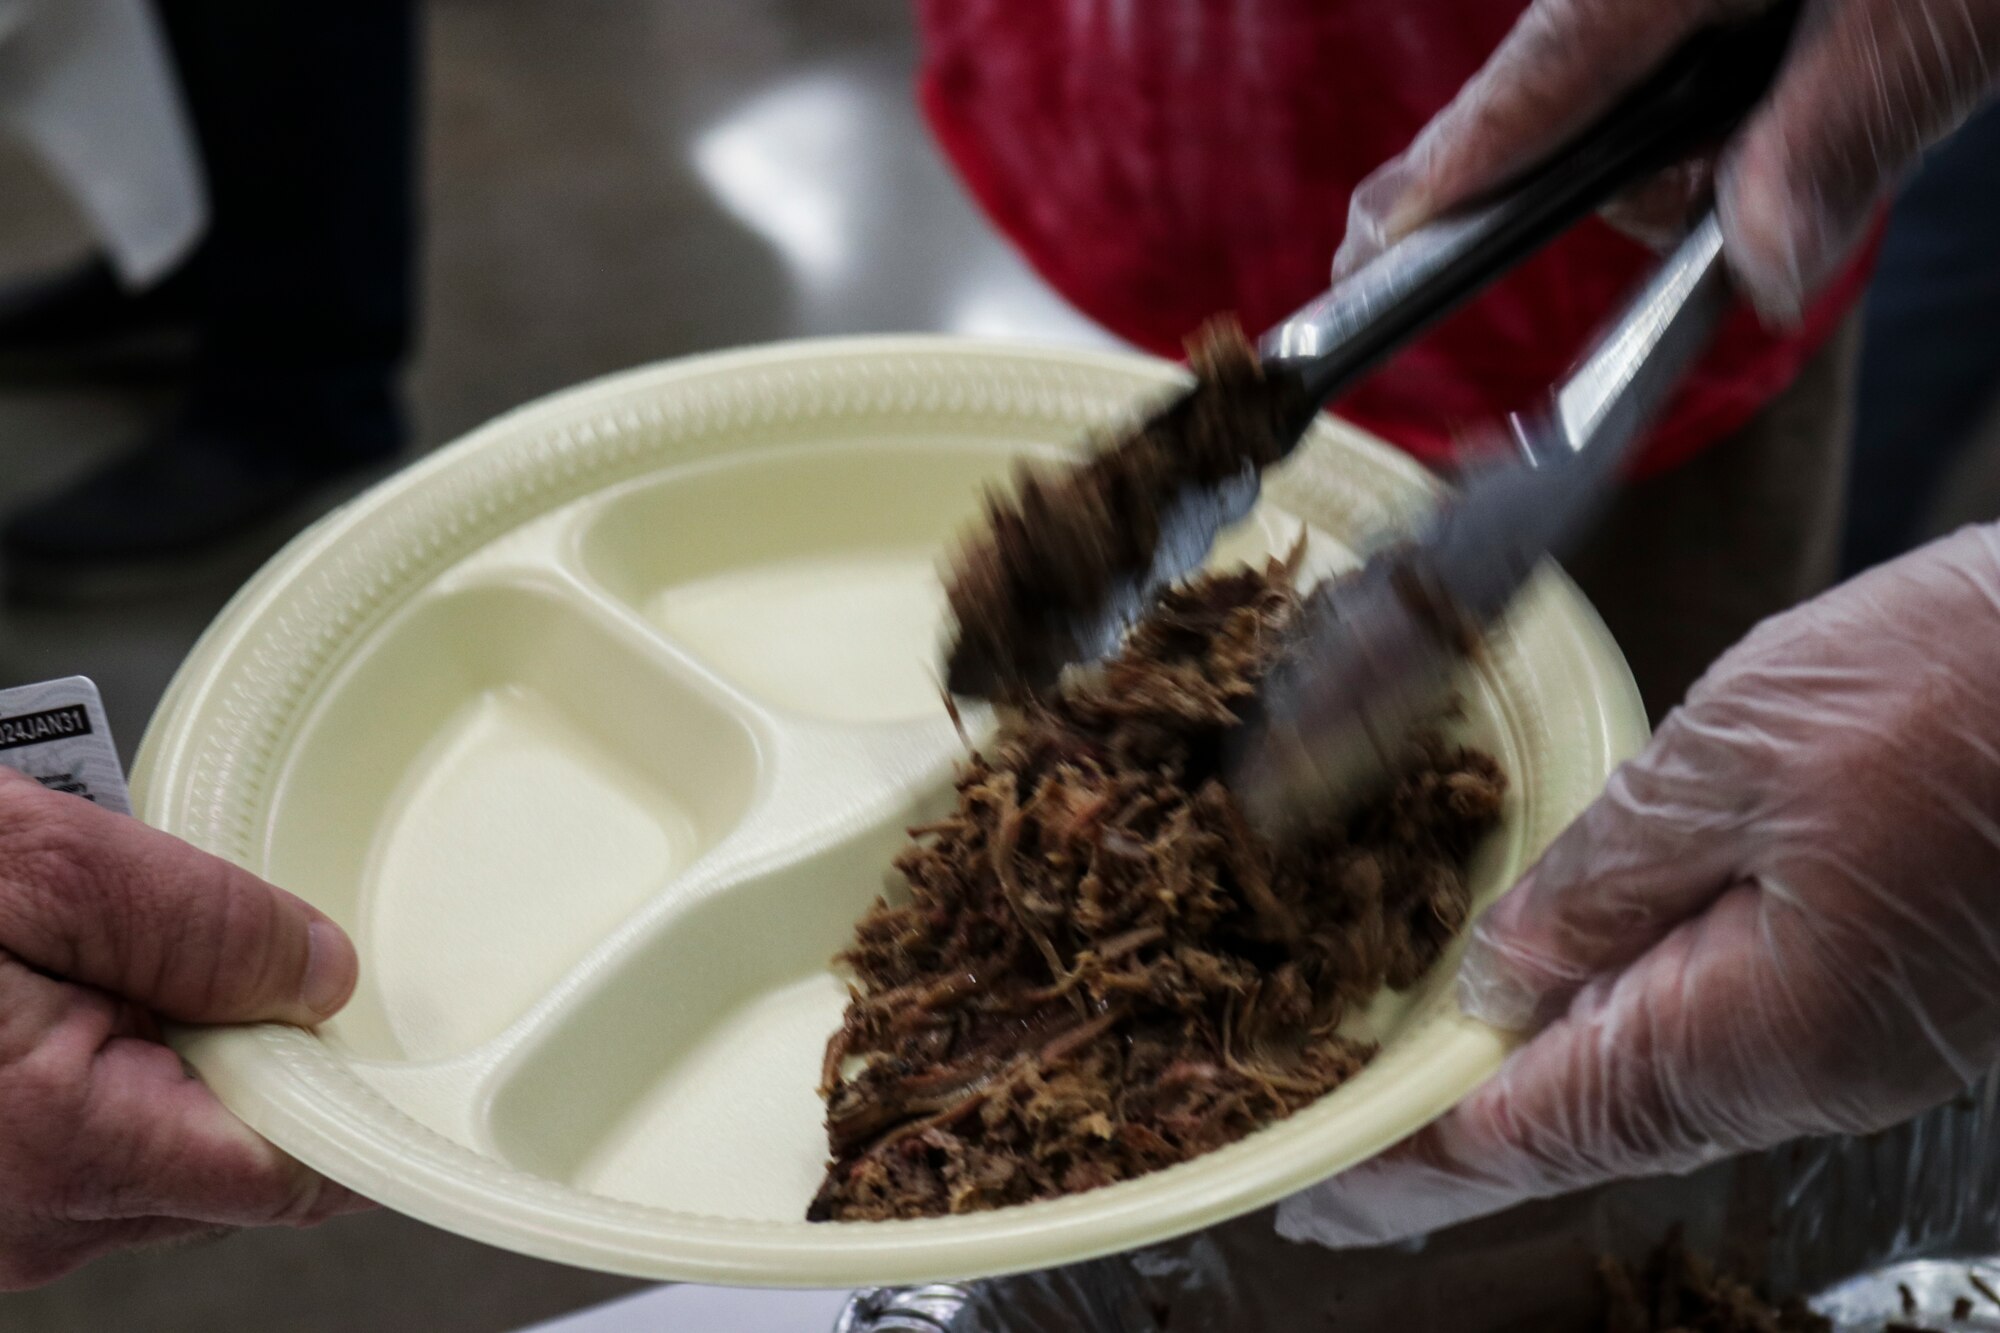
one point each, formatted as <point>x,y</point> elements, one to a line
<point>1055,544</point>
<point>1101,970</point>
<point>1676,1291</point>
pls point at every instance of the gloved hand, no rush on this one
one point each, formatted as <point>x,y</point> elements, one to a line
<point>1781,919</point>
<point>106,1141</point>
<point>1868,84</point>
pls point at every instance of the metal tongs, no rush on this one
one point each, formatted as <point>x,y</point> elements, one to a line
<point>1373,656</point>
<point>1695,97</point>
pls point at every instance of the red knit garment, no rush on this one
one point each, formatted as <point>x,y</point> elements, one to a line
<point>1163,161</point>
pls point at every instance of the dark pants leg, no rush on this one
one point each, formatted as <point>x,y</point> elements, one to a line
<point>305,114</point>
<point>1930,360</point>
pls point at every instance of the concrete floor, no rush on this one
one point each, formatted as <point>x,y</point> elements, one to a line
<point>658,179</point>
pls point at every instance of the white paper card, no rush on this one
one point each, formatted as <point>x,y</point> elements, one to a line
<point>56,733</point>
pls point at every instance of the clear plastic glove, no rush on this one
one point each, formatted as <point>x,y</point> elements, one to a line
<point>107,927</point>
<point>1868,84</point>
<point>1782,919</point>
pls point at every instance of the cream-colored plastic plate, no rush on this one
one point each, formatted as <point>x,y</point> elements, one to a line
<point>598,731</point>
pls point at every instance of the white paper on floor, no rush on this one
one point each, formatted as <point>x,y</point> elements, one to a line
<point>690,1309</point>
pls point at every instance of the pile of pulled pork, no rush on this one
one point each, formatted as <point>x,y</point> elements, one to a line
<point>1674,1291</point>
<point>1100,969</point>
<point>1062,539</point>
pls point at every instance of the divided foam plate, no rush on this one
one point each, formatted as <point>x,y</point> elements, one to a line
<point>598,730</point>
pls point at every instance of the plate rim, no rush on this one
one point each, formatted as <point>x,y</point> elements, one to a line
<point>279,1080</point>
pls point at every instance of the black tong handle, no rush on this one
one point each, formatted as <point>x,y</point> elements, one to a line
<point>1701,92</point>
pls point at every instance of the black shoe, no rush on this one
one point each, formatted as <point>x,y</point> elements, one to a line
<point>82,322</point>
<point>193,503</point>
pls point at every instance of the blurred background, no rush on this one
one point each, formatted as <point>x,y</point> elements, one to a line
<point>602,186</point>
<point>603,183</point>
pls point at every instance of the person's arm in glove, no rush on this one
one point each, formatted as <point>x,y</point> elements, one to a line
<point>1868,85</point>
<point>1781,919</point>
<point>107,928</point>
